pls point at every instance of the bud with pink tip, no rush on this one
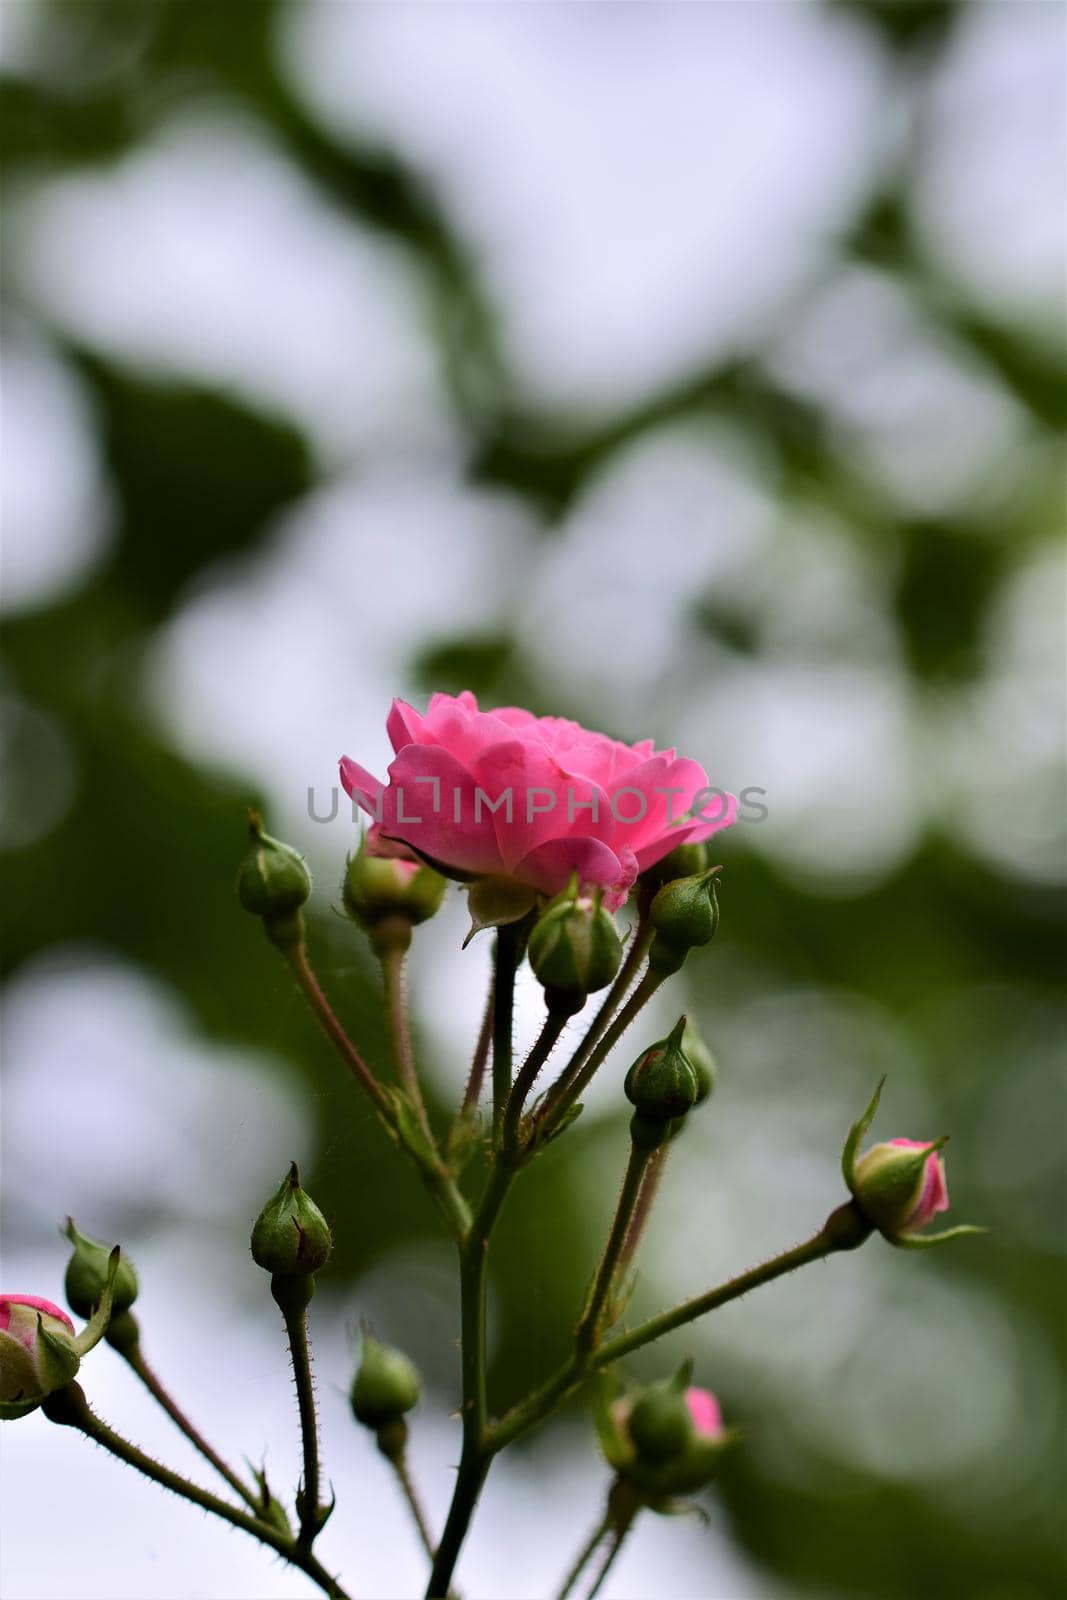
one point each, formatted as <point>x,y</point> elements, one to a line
<point>40,1351</point>
<point>898,1186</point>
<point>665,1439</point>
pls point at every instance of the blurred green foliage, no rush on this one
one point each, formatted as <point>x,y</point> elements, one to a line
<point>144,861</point>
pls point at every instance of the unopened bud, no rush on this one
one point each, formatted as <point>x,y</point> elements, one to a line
<point>661,1084</point>
<point>386,1385</point>
<point>291,1237</point>
<point>87,1273</point>
<point>574,949</point>
<point>685,914</point>
<point>700,1059</point>
<point>273,883</point>
<point>388,897</point>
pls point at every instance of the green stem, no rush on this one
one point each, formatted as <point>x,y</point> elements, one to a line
<point>435,1175</point>
<point>589,1325</point>
<point>296,956</point>
<point>844,1229</point>
<point>474,1457</point>
<point>620,1528</point>
<point>584,1556</point>
<point>292,1296</point>
<point>506,957</point>
<point>394,964</point>
<point>398,1460</point>
<point>566,1091</point>
<point>136,1361</point>
<point>643,1209</point>
<point>476,1077</point>
<point>69,1408</point>
<point>552,1028</point>
<point>635,954</point>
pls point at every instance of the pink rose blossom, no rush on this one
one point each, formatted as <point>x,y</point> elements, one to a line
<point>933,1197</point>
<point>705,1412</point>
<point>567,800</point>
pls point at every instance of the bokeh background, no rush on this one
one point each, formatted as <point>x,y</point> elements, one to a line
<point>694,370</point>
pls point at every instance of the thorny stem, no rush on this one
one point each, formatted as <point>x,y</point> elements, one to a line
<point>393,975</point>
<point>476,1076</point>
<point>552,1028</point>
<point>844,1229</point>
<point>296,956</point>
<point>589,1325</point>
<point>69,1408</point>
<point>136,1361</point>
<point>399,1463</point>
<point>505,966</point>
<point>435,1175</point>
<point>584,1555</point>
<point>567,1090</point>
<point>474,1457</point>
<point>620,1528</point>
<point>290,1296</point>
<point>643,1209</point>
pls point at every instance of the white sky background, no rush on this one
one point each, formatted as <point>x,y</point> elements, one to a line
<point>644,192</point>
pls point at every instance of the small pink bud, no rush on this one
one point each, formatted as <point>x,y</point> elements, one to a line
<point>899,1189</point>
<point>38,1353</point>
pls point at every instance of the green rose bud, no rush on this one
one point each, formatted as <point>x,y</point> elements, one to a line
<point>685,914</point>
<point>291,1237</point>
<point>574,949</point>
<point>87,1273</point>
<point>661,1084</point>
<point>700,1059</point>
<point>273,883</point>
<point>388,897</point>
<point>386,1385</point>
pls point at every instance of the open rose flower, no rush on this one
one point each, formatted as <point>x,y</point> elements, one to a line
<point>528,801</point>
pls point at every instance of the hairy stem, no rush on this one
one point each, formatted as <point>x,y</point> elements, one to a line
<point>476,1077</point>
<point>136,1361</point>
<point>552,1028</point>
<point>290,1296</point>
<point>400,1466</point>
<point>844,1229</point>
<point>69,1408</point>
<point>565,1093</point>
<point>642,1210</point>
<point>620,1528</point>
<point>584,1556</point>
<point>505,965</point>
<point>474,1458</point>
<point>435,1175</point>
<point>588,1326</point>
<point>296,956</point>
<point>394,965</point>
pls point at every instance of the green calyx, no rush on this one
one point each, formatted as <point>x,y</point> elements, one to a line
<point>574,946</point>
<point>87,1273</point>
<point>291,1237</point>
<point>386,1386</point>
<point>662,1085</point>
<point>43,1355</point>
<point>273,883</point>
<point>701,1060</point>
<point>388,897</point>
<point>685,915</point>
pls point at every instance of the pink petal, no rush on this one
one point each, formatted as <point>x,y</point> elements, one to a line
<point>35,1303</point>
<point>704,1410</point>
<point>361,785</point>
<point>450,833</point>
<point>403,725</point>
<point>549,866</point>
<point>535,779</point>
